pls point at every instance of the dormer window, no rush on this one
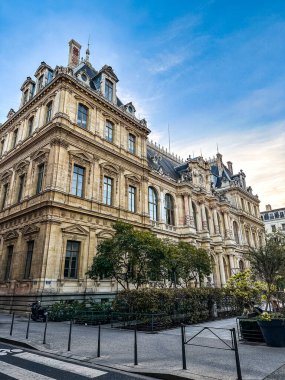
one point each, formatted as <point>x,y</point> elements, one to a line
<point>49,76</point>
<point>84,77</point>
<point>108,90</point>
<point>41,82</point>
<point>49,112</point>
<point>26,96</point>
<point>82,116</point>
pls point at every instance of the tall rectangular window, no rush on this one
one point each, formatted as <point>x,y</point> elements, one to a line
<point>2,147</point>
<point>132,199</point>
<point>8,262</point>
<point>15,137</point>
<point>29,258</point>
<point>82,116</point>
<point>4,195</point>
<point>109,131</point>
<point>41,169</point>
<point>71,259</point>
<point>78,181</point>
<point>30,126</point>
<point>49,76</point>
<point>132,143</point>
<point>109,90</point>
<point>41,82</point>
<point>26,96</point>
<point>273,228</point>
<point>108,191</point>
<point>48,112</point>
<point>21,187</point>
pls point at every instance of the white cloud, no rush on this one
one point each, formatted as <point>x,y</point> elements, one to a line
<point>259,152</point>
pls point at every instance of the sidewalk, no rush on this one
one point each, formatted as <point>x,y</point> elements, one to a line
<point>158,353</point>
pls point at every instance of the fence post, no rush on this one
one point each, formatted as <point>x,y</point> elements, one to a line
<point>239,376</point>
<point>28,327</point>
<point>69,335</point>
<point>12,323</point>
<point>184,366</point>
<point>45,331</point>
<point>99,341</point>
<point>135,347</point>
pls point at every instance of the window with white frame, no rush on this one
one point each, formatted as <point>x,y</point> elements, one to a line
<point>82,116</point>
<point>132,198</point>
<point>78,180</point>
<point>152,203</point>
<point>132,143</point>
<point>71,259</point>
<point>108,191</point>
<point>109,130</point>
<point>109,90</point>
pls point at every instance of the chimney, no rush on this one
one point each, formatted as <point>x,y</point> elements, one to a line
<point>230,167</point>
<point>268,208</point>
<point>74,53</point>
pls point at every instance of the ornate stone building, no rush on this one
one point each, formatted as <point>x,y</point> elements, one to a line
<point>74,158</point>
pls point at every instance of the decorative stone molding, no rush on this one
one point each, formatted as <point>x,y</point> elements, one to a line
<point>11,235</point>
<point>59,141</point>
<point>75,229</point>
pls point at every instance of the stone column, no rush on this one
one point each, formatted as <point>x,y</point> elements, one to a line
<point>186,209</point>
<point>216,222</point>
<point>222,270</point>
<point>204,218</point>
<point>192,222</point>
<point>227,226</point>
<point>232,264</point>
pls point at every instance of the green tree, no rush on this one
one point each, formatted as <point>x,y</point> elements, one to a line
<point>268,262</point>
<point>186,263</point>
<point>130,256</point>
<point>245,287</point>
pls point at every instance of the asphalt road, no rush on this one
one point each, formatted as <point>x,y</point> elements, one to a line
<point>22,364</point>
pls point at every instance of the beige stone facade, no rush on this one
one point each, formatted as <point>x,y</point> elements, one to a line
<point>74,159</point>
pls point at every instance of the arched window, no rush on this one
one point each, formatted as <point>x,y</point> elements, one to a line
<point>48,112</point>
<point>30,125</point>
<point>109,131</point>
<point>241,265</point>
<point>152,203</point>
<point>236,234</point>
<point>169,210</point>
<point>82,116</point>
<point>195,215</point>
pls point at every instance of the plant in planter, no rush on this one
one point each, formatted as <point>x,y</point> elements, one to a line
<point>272,326</point>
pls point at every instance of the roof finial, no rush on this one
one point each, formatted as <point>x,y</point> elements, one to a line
<point>87,51</point>
<point>217,148</point>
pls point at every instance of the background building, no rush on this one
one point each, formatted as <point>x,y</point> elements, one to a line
<point>74,159</point>
<point>274,220</point>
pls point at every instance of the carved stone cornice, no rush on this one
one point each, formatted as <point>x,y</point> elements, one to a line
<point>59,141</point>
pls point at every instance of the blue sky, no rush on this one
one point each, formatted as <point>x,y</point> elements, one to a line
<point>213,70</point>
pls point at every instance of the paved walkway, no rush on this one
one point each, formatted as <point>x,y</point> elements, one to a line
<point>157,353</point>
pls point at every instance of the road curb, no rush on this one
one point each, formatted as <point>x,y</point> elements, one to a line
<point>18,343</point>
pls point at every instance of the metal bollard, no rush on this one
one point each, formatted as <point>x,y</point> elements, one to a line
<point>184,366</point>
<point>12,324</point>
<point>135,347</point>
<point>99,340</point>
<point>239,376</point>
<point>45,331</point>
<point>69,335</point>
<point>28,327</point>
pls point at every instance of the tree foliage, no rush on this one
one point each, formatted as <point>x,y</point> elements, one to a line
<point>245,287</point>
<point>268,262</point>
<point>136,257</point>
